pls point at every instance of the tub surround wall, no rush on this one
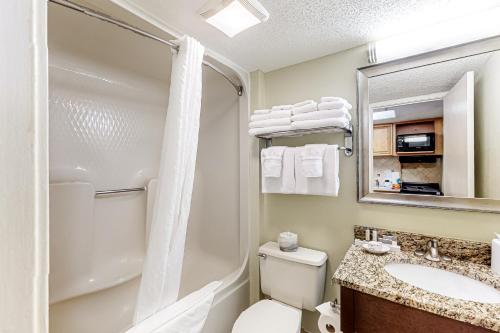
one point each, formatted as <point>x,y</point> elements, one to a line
<point>325,223</point>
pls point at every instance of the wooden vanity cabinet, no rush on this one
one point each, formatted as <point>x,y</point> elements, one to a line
<point>363,313</point>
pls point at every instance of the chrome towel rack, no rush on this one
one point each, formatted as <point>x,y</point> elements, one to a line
<point>347,131</point>
<point>121,190</point>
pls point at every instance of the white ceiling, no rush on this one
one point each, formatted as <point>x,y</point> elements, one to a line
<point>436,78</point>
<point>300,30</point>
<point>425,110</point>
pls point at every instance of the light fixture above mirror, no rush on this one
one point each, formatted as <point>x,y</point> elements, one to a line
<point>233,16</point>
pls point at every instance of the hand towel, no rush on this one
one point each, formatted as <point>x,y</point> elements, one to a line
<point>299,104</point>
<point>272,115</point>
<point>312,160</point>
<point>328,184</point>
<point>305,108</point>
<point>286,183</point>
<point>272,161</point>
<point>334,105</point>
<point>263,111</point>
<point>282,107</point>
<point>269,130</point>
<point>270,122</point>
<point>323,114</point>
<point>311,124</point>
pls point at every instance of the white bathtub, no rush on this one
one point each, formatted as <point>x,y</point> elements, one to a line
<point>108,97</point>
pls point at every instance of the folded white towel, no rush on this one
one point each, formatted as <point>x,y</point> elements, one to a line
<point>286,182</point>
<point>269,130</point>
<point>272,161</point>
<point>270,122</point>
<point>334,105</point>
<point>282,107</point>
<point>305,108</point>
<point>328,184</point>
<point>312,160</point>
<point>311,124</point>
<point>335,113</point>
<point>271,115</point>
<point>263,111</point>
<point>307,101</point>
<point>331,99</point>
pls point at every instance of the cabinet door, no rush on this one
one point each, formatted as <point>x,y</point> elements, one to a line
<point>382,140</point>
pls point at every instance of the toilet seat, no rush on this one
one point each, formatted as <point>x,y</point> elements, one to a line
<point>268,316</point>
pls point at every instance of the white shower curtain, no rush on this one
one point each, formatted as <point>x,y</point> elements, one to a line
<point>161,276</point>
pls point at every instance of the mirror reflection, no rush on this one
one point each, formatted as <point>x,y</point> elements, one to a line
<point>435,129</point>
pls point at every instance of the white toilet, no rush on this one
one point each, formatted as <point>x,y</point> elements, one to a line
<point>294,281</point>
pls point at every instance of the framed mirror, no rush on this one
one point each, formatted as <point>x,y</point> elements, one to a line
<point>429,129</point>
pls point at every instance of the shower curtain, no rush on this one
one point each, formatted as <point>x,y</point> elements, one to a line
<point>162,269</point>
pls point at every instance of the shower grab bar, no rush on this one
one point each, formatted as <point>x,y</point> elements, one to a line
<point>121,190</point>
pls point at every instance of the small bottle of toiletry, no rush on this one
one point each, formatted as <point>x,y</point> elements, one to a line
<point>374,235</point>
<point>367,234</point>
<point>495,254</point>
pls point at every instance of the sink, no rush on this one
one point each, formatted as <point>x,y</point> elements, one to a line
<point>444,283</point>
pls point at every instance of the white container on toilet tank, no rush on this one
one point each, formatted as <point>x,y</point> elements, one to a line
<point>294,278</point>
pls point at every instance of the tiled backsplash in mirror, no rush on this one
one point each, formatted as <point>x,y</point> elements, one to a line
<point>410,172</point>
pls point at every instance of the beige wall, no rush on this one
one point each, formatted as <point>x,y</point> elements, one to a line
<point>487,118</point>
<point>326,223</point>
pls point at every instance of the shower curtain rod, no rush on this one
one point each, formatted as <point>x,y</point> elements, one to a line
<point>121,24</point>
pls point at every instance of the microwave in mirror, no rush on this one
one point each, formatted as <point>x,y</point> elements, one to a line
<point>407,143</point>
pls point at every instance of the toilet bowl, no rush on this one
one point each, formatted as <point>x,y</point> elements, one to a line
<point>268,316</point>
<point>294,281</point>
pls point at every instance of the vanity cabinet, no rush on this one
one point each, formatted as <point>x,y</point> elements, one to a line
<point>383,143</point>
<point>363,313</point>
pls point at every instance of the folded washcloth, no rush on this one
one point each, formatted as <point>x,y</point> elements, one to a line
<point>328,184</point>
<point>271,115</point>
<point>272,161</point>
<point>313,106</point>
<point>263,111</point>
<point>269,130</point>
<point>282,107</point>
<point>298,105</point>
<point>334,105</point>
<point>286,182</point>
<point>311,124</point>
<point>270,122</point>
<point>335,113</point>
<point>312,160</point>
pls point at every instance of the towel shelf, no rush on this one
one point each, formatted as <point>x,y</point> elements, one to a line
<point>300,132</point>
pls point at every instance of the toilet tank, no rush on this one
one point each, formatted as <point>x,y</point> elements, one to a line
<point>295,278</point>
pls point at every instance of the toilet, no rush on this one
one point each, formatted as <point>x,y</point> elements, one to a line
<point>293,281</point>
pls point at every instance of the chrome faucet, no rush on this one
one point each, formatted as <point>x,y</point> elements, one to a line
<point>432,252</point>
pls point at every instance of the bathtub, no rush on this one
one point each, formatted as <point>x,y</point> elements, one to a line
<point>106,113</point>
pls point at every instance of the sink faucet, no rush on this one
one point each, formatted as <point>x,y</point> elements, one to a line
<point>432,252</point>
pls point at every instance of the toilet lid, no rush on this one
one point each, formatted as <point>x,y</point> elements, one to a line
<point>268,316</point>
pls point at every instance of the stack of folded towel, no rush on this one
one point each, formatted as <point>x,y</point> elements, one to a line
<point>277,119</point>
<point>331,111</point>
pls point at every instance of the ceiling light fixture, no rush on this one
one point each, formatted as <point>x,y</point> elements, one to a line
<point>380,115</point>
<point>233,16</point>
<point>453,32</point>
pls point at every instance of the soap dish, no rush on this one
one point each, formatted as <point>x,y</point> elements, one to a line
<point>376,248</point>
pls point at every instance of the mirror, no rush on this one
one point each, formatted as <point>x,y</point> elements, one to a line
<point>429,128</point>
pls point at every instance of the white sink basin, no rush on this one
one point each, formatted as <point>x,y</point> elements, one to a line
<point>444,283</point>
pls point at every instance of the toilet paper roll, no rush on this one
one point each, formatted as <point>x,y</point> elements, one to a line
<point>288,241</point>
<point>329,320</point>
<point>329,324</point>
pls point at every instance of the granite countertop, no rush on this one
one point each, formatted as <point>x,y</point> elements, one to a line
<point>365,272</point>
